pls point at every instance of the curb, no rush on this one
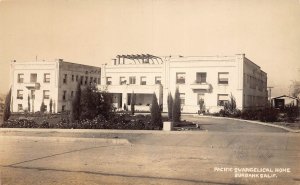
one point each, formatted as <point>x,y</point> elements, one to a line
<point>97,131</point>
<point>68,139</point>
<point>255,122</point>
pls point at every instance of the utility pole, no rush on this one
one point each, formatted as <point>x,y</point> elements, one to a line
<point>270,94</point>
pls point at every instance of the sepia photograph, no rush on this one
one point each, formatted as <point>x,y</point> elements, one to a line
<point>158,92</point>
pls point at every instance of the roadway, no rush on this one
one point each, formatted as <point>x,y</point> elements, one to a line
<point>43,156</point>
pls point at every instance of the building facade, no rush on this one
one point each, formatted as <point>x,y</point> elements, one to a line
<point>212,78</point>
<point>37,82</point>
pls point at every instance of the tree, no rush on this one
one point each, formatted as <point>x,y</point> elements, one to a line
<point>230,106</point>
<point>43,107</point>
<point>156,118</point>
<point>88,103</point>
<point>132,103</point>
<point>94,103</point>
<point>295,88</point>
<point>6,113</point>
<point>50,105</point>
<point>106,105</point>
<point>28,103</point>
<point>170,106</point>
<point>176,111</point>
<point>75,108</point>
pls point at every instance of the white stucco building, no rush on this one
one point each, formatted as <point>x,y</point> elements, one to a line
<point>37,82</point>
<point>212,78</point>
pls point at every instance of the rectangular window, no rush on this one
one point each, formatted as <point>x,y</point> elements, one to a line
<point>81,80</point>
<point>222,99</point>
<point>95,80</point>
<point>182,98</point>
<point>180,78</point>
<point>99,81</point>
<point>72,94</point>
<point>33,77</point>
<point>158,80</point>
<point>91,80</point>
<point>76,78</point>
<point>143,80</point>
<point>63,108</point>
<point>20,107</point>
<point>132,80</point>
<point>86,80</point>
<point>47,78</point>
<point>108,81</point>
<point>20,78</point>
<point>65,78</point>
<point>122,80</point>
<point>200,77</point>
<point>72,78</point>
<point>223,77</point>
<point>32,92</point>
<point>46,94</point>
<point>20,94</point>
<point>64,95</point>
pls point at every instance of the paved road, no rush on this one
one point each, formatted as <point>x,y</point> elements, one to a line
<point>227,125</point>
<point>84,157</point>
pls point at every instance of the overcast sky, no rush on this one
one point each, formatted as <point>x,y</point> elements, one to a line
<point>95,31</point>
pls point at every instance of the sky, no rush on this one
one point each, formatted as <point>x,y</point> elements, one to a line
<point>95,31</point>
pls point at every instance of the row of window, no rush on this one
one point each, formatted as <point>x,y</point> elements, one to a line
<point>201,77</point>
<point>221,101</point>
<point>132,80</point>
<point>33,78</point>
<point>255,82</point>
<point>83,79</point>
<point>46,94</point>
<point>20,107</point>
<point>223,78</point>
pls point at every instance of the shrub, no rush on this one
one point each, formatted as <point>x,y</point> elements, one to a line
<point>43,107</point>
<point>156,119</point>
<point>28,103</point>
<point>291,113</point>
<point>268,115</point>
<point>170,105</point>
<point>176,111</point>
<point>250,114</point>
<point>6,113</point>
<point>132,103</point>
<point>50,105</point>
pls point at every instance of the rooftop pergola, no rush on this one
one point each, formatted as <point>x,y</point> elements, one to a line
<point>139,59</point>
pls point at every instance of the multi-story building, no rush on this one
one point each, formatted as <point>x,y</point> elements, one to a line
<point>37,82</point>
<point>211,78</point>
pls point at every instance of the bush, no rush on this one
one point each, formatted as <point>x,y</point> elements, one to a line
<point>291,113</point>
<point>269,115</point>
<point>250,114</point>
<point>43,107</point>
<point>132,103</point>
<point>117,121</point>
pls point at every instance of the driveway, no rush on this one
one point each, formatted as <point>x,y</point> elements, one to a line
<point>219,124</point>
